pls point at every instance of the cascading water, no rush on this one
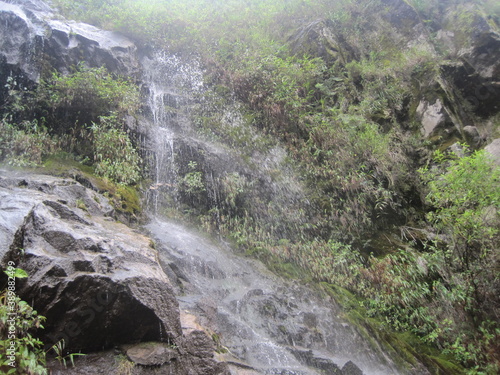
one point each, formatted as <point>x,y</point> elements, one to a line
<point>269,324</point>
<point>274,326</point>
<point>169,84</point>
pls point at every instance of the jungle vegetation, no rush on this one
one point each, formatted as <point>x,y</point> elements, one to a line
<point>345,112</point>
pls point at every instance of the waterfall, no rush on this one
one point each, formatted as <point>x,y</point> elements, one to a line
<point>272,325</point>
<point>275,326</point>
<point>171,85</point>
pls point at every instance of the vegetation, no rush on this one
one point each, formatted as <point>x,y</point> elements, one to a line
<point>327,81</point>
<point>81,113</point>
<point>124,366</point>
<point>20,351</point>
<point>76,121</point>
<point>115,156</point>
<point>61,356</point>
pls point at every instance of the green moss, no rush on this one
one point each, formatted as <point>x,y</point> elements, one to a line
<point>446,366</point>
<point>287,269</point>
<point>64,165</point>
<point>128,199</point>
<point>125,199</point>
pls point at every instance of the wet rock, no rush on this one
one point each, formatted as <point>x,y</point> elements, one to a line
<point>201,349</point>
<point>64,212</point>
<point>97,281</point>
<point>18,195</point>
<point>71,42</point>
<point>206,268</point>
<point>32,38</point>
<point>151,353</point>
<point>309,358</point>
<point>199,344</point>
<point>351,369</point>
<point>310,320</point>
<point>97,285</point>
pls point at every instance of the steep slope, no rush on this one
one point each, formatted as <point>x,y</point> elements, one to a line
<point>304,133</point>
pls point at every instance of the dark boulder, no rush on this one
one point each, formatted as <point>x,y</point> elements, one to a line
<point>475,43</point>
<point>33,38</point>
<point>97,281</point>
<point>350,368</point>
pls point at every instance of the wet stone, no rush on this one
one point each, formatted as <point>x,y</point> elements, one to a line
<point>351,369</point>
<point>151,353</point>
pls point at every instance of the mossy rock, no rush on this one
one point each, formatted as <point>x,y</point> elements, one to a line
<point>125,199</point>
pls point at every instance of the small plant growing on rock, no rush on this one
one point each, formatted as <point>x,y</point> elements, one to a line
<point>123,365</point>
<point>81,205</point>
<point>20,351</point>
<point>59,349</point>
<point>192,182</point>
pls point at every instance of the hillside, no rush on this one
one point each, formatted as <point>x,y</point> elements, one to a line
<point>349,143</point>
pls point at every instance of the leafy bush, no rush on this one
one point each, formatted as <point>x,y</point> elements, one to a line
<point>17,321</point>
<point>82,113</point>
<point>83,96</point>
<point>25,145</point>
<point>114,155</point>
<point>192,182</point>
<point>466,202</point>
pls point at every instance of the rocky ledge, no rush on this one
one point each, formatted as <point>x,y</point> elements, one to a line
<point>96,280</point>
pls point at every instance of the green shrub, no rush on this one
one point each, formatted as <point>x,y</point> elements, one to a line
<point>81,112</point>
<point>192,182</point>
<point>93,90</point>
<point>114,155</point>
<point>25,145</point>
<point>17,322</point>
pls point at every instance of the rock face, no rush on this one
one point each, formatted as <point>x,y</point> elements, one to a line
<point>494,150</point>
<point>96,280</point>
<point>320,38</point>
<point>32,39</point>
<point>436,123</point>
<point>474,45</point>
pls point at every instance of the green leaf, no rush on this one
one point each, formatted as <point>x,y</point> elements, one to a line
<point>20,273</point>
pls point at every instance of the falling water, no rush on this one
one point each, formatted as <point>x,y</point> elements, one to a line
<point>264,321</point>
<point>170,86</point>
<point>271,325</point>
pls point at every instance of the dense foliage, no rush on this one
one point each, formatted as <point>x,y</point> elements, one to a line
<point>20,351</point>
<point>327,80</point>
<point>81,113</point>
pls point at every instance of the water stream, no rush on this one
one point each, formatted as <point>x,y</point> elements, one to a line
<point>266,321</point>
<point>273,325</point>
<point>170,84</point>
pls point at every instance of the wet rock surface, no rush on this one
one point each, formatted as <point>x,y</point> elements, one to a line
<point>262,323</point>
<point>33,36</point>
<point>97,281</point>
<point>151,353</point>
